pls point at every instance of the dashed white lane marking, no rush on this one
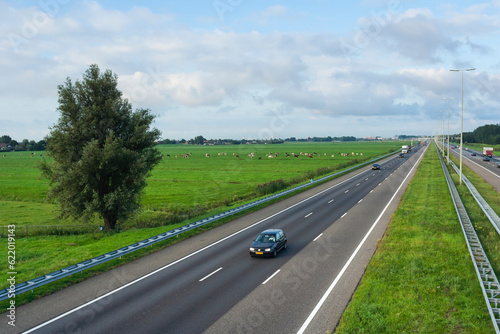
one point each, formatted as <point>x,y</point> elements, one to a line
<point>204,278</point>
<point>319,236</point>
<point>267,280</point>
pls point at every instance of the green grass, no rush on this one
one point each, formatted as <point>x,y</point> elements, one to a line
<point>421,278</point>
<point>488,236</point>
<point>479,147</point>
<point>180,188</point>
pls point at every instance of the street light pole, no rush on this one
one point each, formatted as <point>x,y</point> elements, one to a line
<point>444,152</point>
<point>462,119</point>
<point>448,98</point>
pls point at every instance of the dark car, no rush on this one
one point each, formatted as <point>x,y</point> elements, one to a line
<point>486,158</point>
<point>401,155</point>
<point>473,154</point>
<point>375,166</point>
<point>268,243</point>
<point>498,165</point>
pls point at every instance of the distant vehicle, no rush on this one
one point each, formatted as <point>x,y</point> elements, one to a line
<point>375,166</point>
<point>401,155</point>
<point>404,149</point>
<point>473,154</point>
<point>453,147</point>
<point>268,243</point>
<point>488,152</point>
<point>486,158</point>
<point>498,165</point>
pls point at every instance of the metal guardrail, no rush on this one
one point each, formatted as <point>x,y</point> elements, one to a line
<point>488,211</point>
<point>79,267</point>
<point>489,282</point>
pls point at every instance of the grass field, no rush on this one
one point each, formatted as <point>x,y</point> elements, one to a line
<point>421,278</point>
<point>479,147</point>
<point>180,188</point>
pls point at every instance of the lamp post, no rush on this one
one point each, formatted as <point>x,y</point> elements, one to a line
<point>462,118</point>
<point>444,152</point>
<point>448,98</point>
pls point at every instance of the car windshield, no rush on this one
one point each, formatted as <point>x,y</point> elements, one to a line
<point>266,238</point>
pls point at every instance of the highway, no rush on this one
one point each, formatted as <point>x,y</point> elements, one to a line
<point>209,283</point>
<point>488,170</point>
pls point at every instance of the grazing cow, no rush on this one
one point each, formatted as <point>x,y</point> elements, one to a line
<point>207,155</point>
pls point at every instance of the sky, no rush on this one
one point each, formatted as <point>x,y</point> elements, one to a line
<point>255,69</point>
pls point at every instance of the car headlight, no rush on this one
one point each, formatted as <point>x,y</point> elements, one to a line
<point>252,249</point>
<point>268,249</point>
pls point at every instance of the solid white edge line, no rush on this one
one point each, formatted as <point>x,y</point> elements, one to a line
<point>361,200</point>
<point>319,236</point>
<point>180,260</point>
<point>267,280</point>
<point>343,215</point>
<point>204,278</point>
<point>339,276</point>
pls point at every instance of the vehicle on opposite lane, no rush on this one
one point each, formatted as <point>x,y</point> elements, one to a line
<point>268,243</point>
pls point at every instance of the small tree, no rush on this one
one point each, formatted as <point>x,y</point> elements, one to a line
<point>102,151</point>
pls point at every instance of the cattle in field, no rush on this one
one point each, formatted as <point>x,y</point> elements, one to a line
<point>207,155</point>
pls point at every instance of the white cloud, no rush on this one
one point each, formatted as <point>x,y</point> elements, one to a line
<point>396,62</point>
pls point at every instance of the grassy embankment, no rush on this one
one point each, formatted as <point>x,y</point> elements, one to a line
<point>421,278</point>
<point>479,147</point>
<point>175,186</point>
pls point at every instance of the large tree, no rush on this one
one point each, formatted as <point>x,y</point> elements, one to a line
<point>102,151</point>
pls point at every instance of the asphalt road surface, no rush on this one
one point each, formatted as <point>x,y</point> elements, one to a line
<point>209,283</point>
<point>488,170</point>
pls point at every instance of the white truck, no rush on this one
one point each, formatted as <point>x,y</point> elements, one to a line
<point>488,152</point>
<point>404,149</point>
